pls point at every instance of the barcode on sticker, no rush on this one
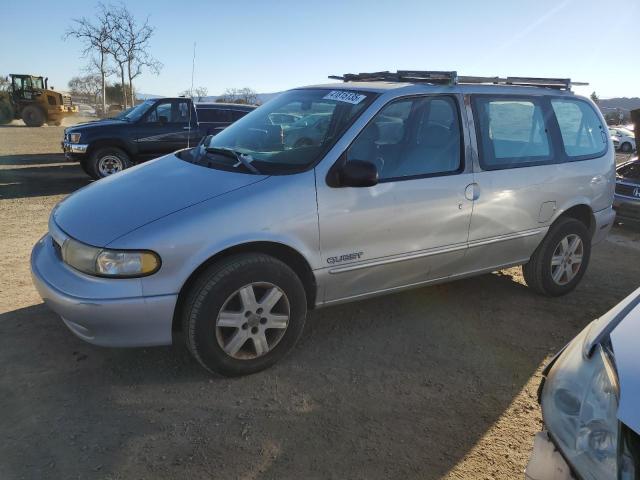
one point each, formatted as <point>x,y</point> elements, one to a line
<point>344,96</point>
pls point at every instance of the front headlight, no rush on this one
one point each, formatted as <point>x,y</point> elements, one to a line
<point>109,263</point>
<point>74,137</point>
<point>579,407</point>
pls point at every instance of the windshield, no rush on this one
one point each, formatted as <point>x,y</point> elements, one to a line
<point>38,83</point>
<point>136,112</point>
<point>287,134</point>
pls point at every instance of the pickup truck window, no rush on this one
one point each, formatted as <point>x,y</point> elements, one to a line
<point>287,134</point>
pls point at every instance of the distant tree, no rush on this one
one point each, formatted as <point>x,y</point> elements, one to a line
<point>86,86</point>
<point>116,94</point>
<point>239,95</point>
<point>595,97</point>
<point>197,94</point>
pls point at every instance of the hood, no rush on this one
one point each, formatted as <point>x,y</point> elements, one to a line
<point>114,206</point>
<point>624,340</point>
<point>97,123</point>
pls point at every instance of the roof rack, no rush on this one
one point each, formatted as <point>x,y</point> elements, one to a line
<point>452,78</point>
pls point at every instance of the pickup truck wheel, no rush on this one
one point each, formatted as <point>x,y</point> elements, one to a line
<point>107,161</point>
<point>560,261</point>
<point>32,116</point>
<point>243,314</point>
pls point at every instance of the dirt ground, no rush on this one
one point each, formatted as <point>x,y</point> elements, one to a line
<point>435,383</point>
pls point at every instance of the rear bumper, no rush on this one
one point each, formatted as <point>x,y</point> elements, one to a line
<point>545,462</point>
<point>91,313</point>
<point>604,221</point>
<point>627,208</point>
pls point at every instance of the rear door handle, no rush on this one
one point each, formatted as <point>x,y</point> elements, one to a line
<point>472,192</point>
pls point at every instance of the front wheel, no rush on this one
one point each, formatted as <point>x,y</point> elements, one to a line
<point>107,161</point>
<point>560,261</point>
<point>32,116</point>
<point>244,314</point>
<point>626,147</point>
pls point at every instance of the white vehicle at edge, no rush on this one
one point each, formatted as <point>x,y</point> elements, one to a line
<point>589,398</point>
<point>623,139</point>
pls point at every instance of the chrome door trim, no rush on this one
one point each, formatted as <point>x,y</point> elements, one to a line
<point>438,251</point>
<point>399,258</point>
<point>432,281</point>
<point>508,236</point>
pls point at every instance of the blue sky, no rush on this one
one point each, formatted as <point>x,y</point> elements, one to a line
<point>274,45</point>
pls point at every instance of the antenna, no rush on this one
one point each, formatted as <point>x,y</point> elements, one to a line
<point>192,107</point>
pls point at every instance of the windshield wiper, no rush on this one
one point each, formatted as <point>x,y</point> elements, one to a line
<point>240,157</point>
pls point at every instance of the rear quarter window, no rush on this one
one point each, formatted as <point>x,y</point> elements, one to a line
<point>512,132</point>
<point>583,135</point>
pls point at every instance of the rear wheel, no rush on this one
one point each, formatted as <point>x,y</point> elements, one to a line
<point>244,314</point>
<point>32,116</point>
<point>6,110</point>
<point>560,261</point>
<point>626,147</point>
<point>107,161</point>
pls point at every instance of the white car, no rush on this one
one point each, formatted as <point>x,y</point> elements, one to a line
<point>623,139</point>
<point>589,400</point>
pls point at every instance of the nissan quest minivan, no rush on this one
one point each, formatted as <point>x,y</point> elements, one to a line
<point>397,180</point>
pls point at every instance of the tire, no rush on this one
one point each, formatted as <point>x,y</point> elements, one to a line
<point>626,147</point>
<point>32,116</point>
<point>539,272</point>
<point>107,161</point>
<point>215,298</point>
<point>6,110</point>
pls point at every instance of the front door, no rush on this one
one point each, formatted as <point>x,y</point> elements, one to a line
<point>411,227</point>
<point>165,128</point>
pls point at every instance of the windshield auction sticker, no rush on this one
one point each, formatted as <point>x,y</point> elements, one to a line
<point>344,96</point>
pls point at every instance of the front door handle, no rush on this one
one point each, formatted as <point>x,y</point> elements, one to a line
<point>472,192</point>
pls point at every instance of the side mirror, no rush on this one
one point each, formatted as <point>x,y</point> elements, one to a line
<point>358,173</point>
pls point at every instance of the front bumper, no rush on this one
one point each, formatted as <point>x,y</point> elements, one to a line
<point>627,208</point>
<point>105,312</point>
<point>546,462</point>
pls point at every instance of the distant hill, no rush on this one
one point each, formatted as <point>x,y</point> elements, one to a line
<point>262,97</point>
<point>623,103</point>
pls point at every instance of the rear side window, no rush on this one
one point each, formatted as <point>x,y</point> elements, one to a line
<point>583,135</point>
<point>214,115</point>
<point>512,132</point>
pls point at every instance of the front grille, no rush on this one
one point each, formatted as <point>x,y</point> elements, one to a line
<point>626,190</point>
<point>57,248</point>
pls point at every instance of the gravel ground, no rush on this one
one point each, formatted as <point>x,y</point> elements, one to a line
<point>433,383</point>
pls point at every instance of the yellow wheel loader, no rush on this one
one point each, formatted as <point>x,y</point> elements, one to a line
<point>29,98</point>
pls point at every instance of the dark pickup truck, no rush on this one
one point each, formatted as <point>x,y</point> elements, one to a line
<point>153,128</point>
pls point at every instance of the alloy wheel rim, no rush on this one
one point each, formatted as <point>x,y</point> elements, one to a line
<point>110,164</point>
<point>567,259</point>
<point>253,320</point>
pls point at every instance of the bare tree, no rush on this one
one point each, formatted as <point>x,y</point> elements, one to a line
<point>130,45</point>
<point>86,86</point>
<point>239,95</point>
<point>197,94</point>
<point>96,38</point>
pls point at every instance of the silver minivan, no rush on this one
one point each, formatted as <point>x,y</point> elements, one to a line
<point>398,180</point>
